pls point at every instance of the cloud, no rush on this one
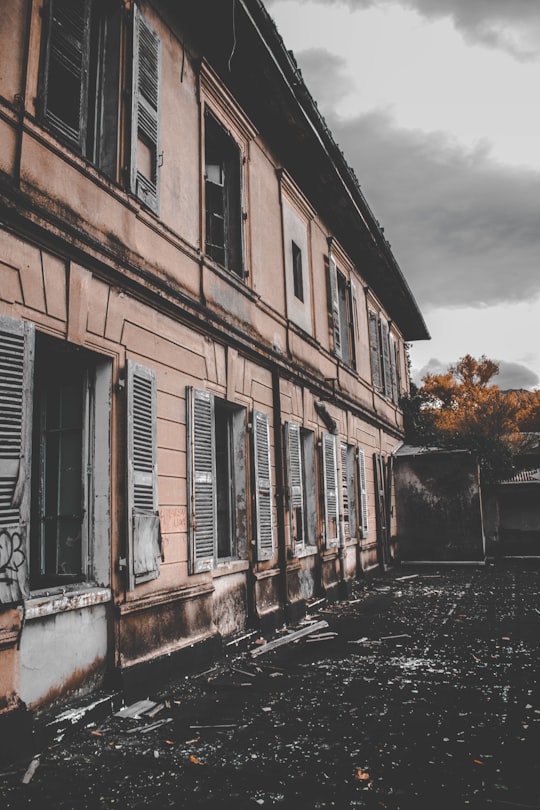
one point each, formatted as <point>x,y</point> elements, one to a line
<point>463,228</point>
<point>510,25</point>
<point>328,79</point>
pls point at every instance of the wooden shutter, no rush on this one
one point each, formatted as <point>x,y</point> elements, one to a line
<point>144,536</point>
<point>363,493</point>
<point>355,323</point>
<point>16,376</point>
<point>202,507</point>
<point>334,306</point>
<point>394,368</point>
<point>386,361</point>
<point>345,499</point>
<point>145,111</point>
<point>65,73</point>
<point>330,483</point>
<point>374,347</point>
<point>296,485</point>
<point>262,466</point>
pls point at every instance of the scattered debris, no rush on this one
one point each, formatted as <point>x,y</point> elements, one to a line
<point>361,775</point>
<point>137,710</point>
<point>142,729</point>
<point>390,638</point>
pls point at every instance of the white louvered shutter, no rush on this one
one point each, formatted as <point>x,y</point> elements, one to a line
<point>345,491</point>
<point>202,480</point>
<point>330,483</point>
<point>16,377</point>
<point>334,305</point>
<point>263,486</point>
<point>144,535</point>
<point>296,485</point>
<point>363,493</point>
<point>145,111</point>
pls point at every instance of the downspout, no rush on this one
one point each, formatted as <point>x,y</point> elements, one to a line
<point>280,500</point>
<point>20,98</point>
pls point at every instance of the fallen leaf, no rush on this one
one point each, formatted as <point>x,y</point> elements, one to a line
<point>360,774</point>
<point>195,760</point>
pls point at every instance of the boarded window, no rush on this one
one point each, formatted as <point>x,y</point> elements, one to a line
<point>143,518</point>
<point>262,467</point>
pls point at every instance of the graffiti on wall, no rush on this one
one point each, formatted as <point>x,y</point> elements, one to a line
<point>12,564</point>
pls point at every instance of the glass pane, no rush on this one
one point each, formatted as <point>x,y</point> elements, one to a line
<point>69,546</point>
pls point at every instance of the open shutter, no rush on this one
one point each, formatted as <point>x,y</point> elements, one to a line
<point>363,493</point>
<point>345,500</point>
<point>145,112</point>
<point>65,74</point>
<point>330,483</point>
<point>296,485</point>
<point>334,305</point>
<point>355,323</point>
<point>16,376</point>
<point>374,347</point>
<point>144,536</point>
<point>394,368</point>
<point>386,362</point>
<point>263,486</point>
<point>202,477</point>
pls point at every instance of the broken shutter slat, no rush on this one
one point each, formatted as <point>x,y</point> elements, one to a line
<point>263,486</point>
<point>296,485</point>
<point>374,347</point>
<point>202,488</point>
<point>65,77</point>
<point>364,526</point>
<point>144,537</point>
<point>334,306</point>
<point>330,483</point>
<point>16,382</point>
<point>145,112</point>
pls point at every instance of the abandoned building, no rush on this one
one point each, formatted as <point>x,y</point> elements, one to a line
<point>202,343</point>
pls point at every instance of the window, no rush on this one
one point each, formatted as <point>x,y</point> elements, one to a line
<point>301,487</point>
<point>348,491</point>
<point>80,80</point>
<point>298,280</point>
<point>217,480</point>
<point>362,491</point>
<point>54,463</point>
<point>343,306</point>
<point>330,490</point>
<point>384,356</point>
<point>223,197</point>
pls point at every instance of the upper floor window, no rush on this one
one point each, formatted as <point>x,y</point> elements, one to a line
<point>298,278</point>
<point>384,356</point>
<point>343,306</point>
<point>80,87</point>
<point>223,197</point>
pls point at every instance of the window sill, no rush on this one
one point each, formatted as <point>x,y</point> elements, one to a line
<point>60,600</point>
<point>230,567</point>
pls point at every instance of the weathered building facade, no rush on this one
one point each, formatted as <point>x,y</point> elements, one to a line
<point>202,342</point>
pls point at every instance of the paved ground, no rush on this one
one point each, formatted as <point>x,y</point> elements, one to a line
<point>423,692</point>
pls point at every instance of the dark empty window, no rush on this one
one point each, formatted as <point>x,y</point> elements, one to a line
<point>298,279</point>
<point>223,197</point>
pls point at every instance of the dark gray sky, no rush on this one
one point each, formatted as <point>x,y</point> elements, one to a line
<point>458,195</point>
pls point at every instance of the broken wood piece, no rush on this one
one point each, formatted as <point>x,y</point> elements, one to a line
<point>135,710</point>
<point>214,725</point>
<point>278,642</point>
<point>30,771</point>
<point>389,638</point>
<point>144,729</point>
<point>243,672</point>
